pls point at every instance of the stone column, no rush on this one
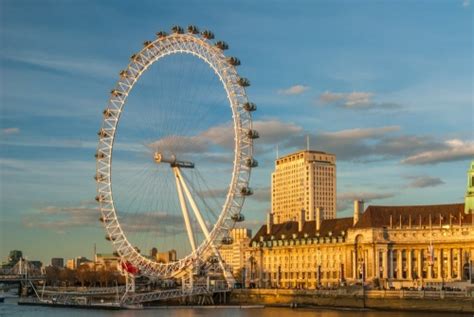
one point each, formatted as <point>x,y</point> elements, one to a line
<point>384,263</point>
<point>460,264</point>
<point>439,252</point>
<point>450,264</point>
<point>420,264</point>
<point>399,264</point>
<point>409,264</point>
<point>390,265</point>
<point>354,265</point>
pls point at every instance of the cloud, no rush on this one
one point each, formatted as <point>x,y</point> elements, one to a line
<point>424,181</point>
<point>10,131</point>
<point>355,100</point>
<point>361,133</point>
<point>86,214</point>
<point>180,144</point>
<point>466,3</point>
<point>293,90</point>
<point>450,150</point>
<point>345,200</point>
<point>69,64</point>
<point>261,194</point>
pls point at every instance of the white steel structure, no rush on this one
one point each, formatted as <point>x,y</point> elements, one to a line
<point>198,45</point>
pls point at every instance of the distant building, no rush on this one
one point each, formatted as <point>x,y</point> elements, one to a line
<point>234,254</point>
<point>163,257</point>
<point>305,180</point>
<point>106,261</point>
<point>71,264</point>
<point>57,262</point>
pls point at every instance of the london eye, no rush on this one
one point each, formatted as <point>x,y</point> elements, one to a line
<point>175,152</point>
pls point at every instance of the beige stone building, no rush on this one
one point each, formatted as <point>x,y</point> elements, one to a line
<point>305,180</point>
<point>234,254</point>
<point>386,246</point>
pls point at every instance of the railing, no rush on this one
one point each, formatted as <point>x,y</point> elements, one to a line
<point>137,298</point>
<point>407,294</point>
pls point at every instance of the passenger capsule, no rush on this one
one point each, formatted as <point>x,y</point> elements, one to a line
<point>250,106</point>
<point>116,93</point>
<point>135,57</point>
<point>99,177</point>
<point>108,113</point>
<point>116,254</point>
<point>227,240</point>
<point>246,191</point>
<point>213,259</point>
<point>123,74</point>
<point>103,134</point>
<point>161,34</point>
<point>146,43</point>
<point>244,82</point>
<point>221,45</point>
<point>238,217</point>
<point>253,134</point>
<point>193,29</point>
<point>208,35</point>
<point>102,219</point>
<point>110,238</point>
<point>251,162</point>
<point>99,155</point>
<point>234,61</point>
<point>99,198</point>
<point>177,29</point>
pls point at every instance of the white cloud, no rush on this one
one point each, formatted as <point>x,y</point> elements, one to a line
<point>466,3</point>
<point>10,131</point>
<point>75,65</point>
<point>424,181</point>
<point>355,100</point>
<point>362,133</point>
<point>293,90</point>
<point>451,150</point>
<point>345,200</point>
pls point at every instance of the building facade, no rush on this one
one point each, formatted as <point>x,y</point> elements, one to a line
<point>57,262</point>
<point>386,246</point>
<point>234,254</point>
<point>305,180</point>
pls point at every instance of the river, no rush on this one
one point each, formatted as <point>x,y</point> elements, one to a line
<point>10,308</point>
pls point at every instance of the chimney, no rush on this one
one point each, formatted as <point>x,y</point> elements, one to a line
<point>319,217</point>
<point>269,223</point>
<point>301,220</point>
<point>358,209</point>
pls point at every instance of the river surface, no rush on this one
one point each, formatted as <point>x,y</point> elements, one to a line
<point>10,308</point>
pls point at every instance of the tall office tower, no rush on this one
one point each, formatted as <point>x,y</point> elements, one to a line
<point>305,180</point>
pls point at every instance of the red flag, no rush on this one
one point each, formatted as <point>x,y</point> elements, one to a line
<point>128,267</point>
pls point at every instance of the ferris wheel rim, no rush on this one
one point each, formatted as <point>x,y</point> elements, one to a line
<point>243,147</point>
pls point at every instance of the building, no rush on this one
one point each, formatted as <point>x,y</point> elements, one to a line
<point>57,262</point>
<point>234,254</point>
<point>163,257</point>
<point>385,246</point>
<point>305,180</point>
<point>106,261</point>
<point>71,264</point>
<point>415,246</point>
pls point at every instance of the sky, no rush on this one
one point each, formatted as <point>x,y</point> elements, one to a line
<point>387,86</point>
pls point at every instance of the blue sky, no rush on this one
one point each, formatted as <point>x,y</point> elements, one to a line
<point>385,85</point>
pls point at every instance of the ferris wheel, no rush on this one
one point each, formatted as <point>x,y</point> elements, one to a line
<point>182,142</point>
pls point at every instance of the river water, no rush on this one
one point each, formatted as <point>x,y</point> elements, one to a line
<point>10,308</point>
